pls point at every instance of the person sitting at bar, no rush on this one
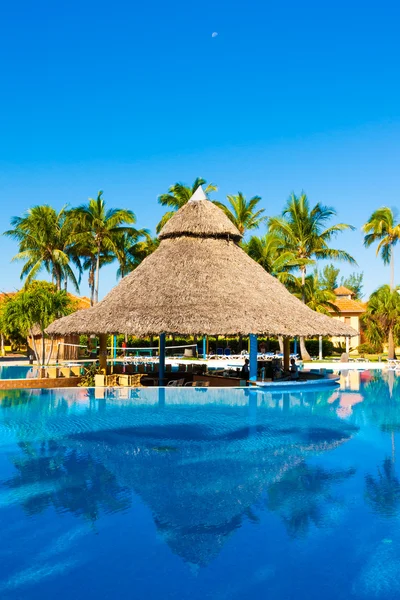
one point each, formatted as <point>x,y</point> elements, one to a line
<point>294,370</point>
<point>245,372</point>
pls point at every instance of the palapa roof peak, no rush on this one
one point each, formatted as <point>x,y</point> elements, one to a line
<point>199,281</point>
<point>202,219</point>
<point>198,195</point>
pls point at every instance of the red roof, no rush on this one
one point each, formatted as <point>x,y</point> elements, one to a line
<point>348,305</point>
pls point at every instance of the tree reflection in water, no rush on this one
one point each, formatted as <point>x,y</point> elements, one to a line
<point>202,472</point>
<point>383,492</point>
<point>72,481</point>
<point>301,496</point>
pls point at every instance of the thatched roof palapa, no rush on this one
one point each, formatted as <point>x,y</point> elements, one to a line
<point>199,281</point>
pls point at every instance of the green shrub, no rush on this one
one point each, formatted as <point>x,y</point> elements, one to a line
<point>312,347</point>
<point>369,349</point>
<point>90,372</point>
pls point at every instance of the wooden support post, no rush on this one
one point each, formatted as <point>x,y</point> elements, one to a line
<point>320,348</point>
<point>286,353</point>
<point>103,352</point>
<point>347,345</point>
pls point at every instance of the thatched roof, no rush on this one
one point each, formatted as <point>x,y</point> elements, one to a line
<point>199,281</point>
<point>202,219</point>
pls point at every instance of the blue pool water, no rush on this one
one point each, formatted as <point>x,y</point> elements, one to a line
<point>15,372</point>
<point>201,493</point>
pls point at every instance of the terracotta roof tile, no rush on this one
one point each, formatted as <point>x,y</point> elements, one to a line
<point>345,305</point>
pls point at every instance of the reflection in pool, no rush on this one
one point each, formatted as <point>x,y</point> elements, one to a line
<point>17,372</point>
<point>207,493</point>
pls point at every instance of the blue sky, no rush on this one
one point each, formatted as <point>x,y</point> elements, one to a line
<point>130,98</point>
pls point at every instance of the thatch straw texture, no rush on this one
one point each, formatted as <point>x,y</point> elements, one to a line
<point>200,218</point>
<point>199,281</point>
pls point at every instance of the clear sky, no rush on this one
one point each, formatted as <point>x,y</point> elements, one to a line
<point>131,97</point>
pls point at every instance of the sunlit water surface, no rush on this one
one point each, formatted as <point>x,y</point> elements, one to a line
<point>201,493</point>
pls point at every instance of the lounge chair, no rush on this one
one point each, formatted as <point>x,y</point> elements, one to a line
<point>176,383</point>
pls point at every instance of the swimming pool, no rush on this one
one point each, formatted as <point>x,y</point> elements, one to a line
<point>17,372</point>
<point>201,493</point>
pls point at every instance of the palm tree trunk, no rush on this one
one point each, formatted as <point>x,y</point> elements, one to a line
<point>58,279</point>
<point>392,271</point>
<point>96,287</point>
<point>34,347</point>
<point>303,350</point>
<point>303,285</point>
<point>391,348</point>
<point>91,281</point>
<point>43,348</point>
<point>48,359</point>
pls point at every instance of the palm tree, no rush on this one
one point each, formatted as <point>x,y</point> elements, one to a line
<point>315,296</point>
<point>318,298</point>
<point>382,227</point>
<point>97,228</point>
<point>242,212</point>
<point>88,262</point>
<point>129,251</point>
<point>178,195</point>
<point>146,247</point>
<point>44,239</point>
<point>269,252</point>
<point>382,318</point>
<point>36,305</point>
<point>306,234</point>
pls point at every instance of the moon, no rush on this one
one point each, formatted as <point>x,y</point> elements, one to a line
<point>214,34</point>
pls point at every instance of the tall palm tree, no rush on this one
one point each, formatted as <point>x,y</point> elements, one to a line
<point>307,235</point>
<point>382,227</point>
<point>44,238</point>
<point>243,212</point>
<point>269,252</point>
<point>178,195</point>
<point>88,262</point>
<point>382,318</point>
<point>98,228</point>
